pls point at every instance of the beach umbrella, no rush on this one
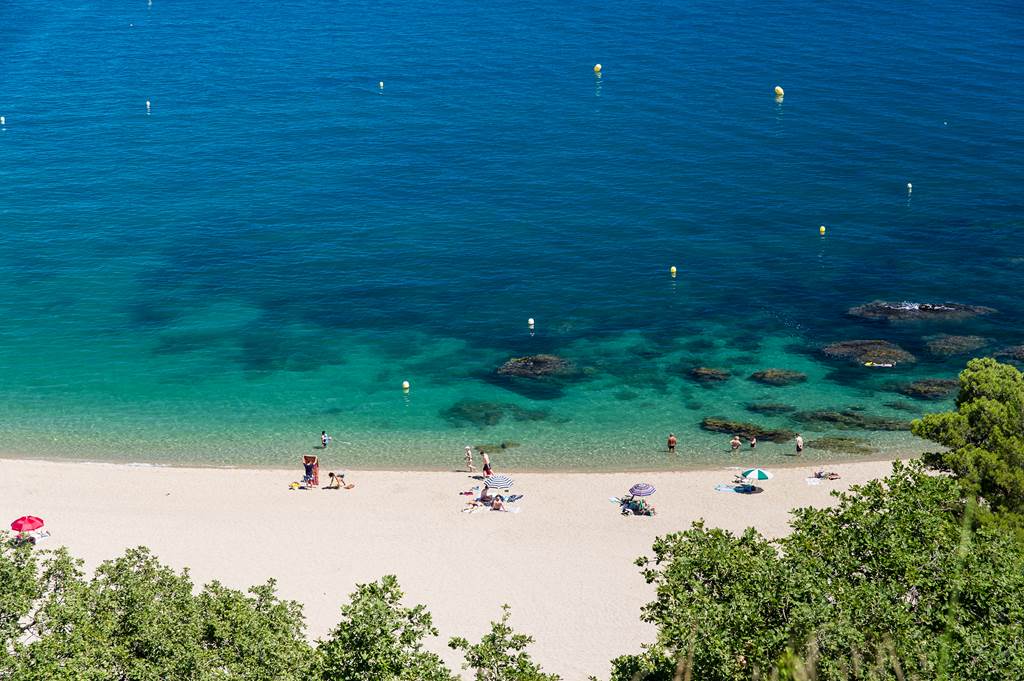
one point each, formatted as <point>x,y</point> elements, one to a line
<point>27,523</point>
<point>756,474</point>
<point>498,482</point>
<point>642,489</point>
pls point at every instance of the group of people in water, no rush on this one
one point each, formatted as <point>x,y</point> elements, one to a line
<point>735,443</point>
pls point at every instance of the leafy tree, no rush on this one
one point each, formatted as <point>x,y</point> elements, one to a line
<point>138,620</point>
<point>891,583</point>
<point>501,654</point>
<point>380,640</point>
<point>255,637</point>
<point>984,438</point>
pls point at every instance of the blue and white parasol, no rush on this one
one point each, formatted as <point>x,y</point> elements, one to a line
<point>498,482</point>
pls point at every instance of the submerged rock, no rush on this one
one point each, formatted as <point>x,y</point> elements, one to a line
<point>861,351</point>
<point>507,444</point>
<point>480,413</point>
<point>537,366</point>
<point>945,345</point>
<point>930,388</point>
<point>626,395</point>
<point>903,406</point>
<point>842,445</point>
<point>1014,353</point>
<point>906,311</point>
<point>778,377</point>
<point>849,420</point>
<point>720,425</point>
<point>770,408</point>
<point>707,375</point>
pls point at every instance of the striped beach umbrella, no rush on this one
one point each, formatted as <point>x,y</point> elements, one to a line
<point>756,474</point>
<point>498,482</point>
<point>642,489</point>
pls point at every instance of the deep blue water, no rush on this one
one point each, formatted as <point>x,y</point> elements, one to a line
<point>278,242</point>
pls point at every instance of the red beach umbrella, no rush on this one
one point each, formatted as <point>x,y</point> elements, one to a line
<point>27,523</point>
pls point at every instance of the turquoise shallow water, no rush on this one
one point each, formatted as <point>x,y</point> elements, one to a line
<point>277,243</point>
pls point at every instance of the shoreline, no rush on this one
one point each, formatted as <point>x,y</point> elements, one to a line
<point>567,556</point>
<point>743,460</point>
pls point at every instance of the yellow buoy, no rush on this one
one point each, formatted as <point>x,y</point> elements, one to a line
<point>405,386</point>
<point>672,270</point>
<point>779,92</point>
<point>597,68</point>
<point>821,230</point>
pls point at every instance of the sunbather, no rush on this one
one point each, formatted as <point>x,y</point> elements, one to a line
<point>498,504</point>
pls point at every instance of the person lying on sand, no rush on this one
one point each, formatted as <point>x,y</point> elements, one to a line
<point>822,475</point>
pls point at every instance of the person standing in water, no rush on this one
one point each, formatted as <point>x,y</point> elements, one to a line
<point>469,459</point>
<point>753,441</point>
<point>672,443</point>
<point>799,444</point>
<point>735,443</point>
<point>325,439</point>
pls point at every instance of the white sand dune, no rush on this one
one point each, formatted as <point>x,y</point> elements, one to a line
<point>564,562</point>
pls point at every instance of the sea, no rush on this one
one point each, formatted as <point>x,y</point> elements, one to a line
<point>226,227</point>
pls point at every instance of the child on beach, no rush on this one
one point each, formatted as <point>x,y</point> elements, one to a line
<point>469,459</point>
<point>338,482</point>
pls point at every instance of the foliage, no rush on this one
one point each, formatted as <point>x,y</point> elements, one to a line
<point>380,640</point>
<point>889,584</point>
<point>138,620</point>
<point>501,654</point>
<point>984,438</point>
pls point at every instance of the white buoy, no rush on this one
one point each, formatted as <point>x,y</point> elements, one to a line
<point>910,187</point>
<point>530,321</point>
<point>779,92</point>
<point>405,386</point>
<point>3,120</point>
<point>381,85</point>
<point>147,107</point>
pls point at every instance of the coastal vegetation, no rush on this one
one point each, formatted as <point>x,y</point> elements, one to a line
<point>919,575</point>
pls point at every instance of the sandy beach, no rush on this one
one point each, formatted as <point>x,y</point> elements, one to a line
<point>564,562</point>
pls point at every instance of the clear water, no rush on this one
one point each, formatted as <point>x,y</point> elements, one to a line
<point>278,243</point>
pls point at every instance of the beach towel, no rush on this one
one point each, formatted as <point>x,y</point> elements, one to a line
<point>514,498</point>
<point>812,481</point>
<point>738,489</point>
<point>615,500</point>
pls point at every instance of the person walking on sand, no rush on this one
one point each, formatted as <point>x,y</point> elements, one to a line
<point>469,459</point>
<point>672,443</point>
<point>325,439</point>
<point>735,443</point>
<point>799,444</point>
<point>487,464</point>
